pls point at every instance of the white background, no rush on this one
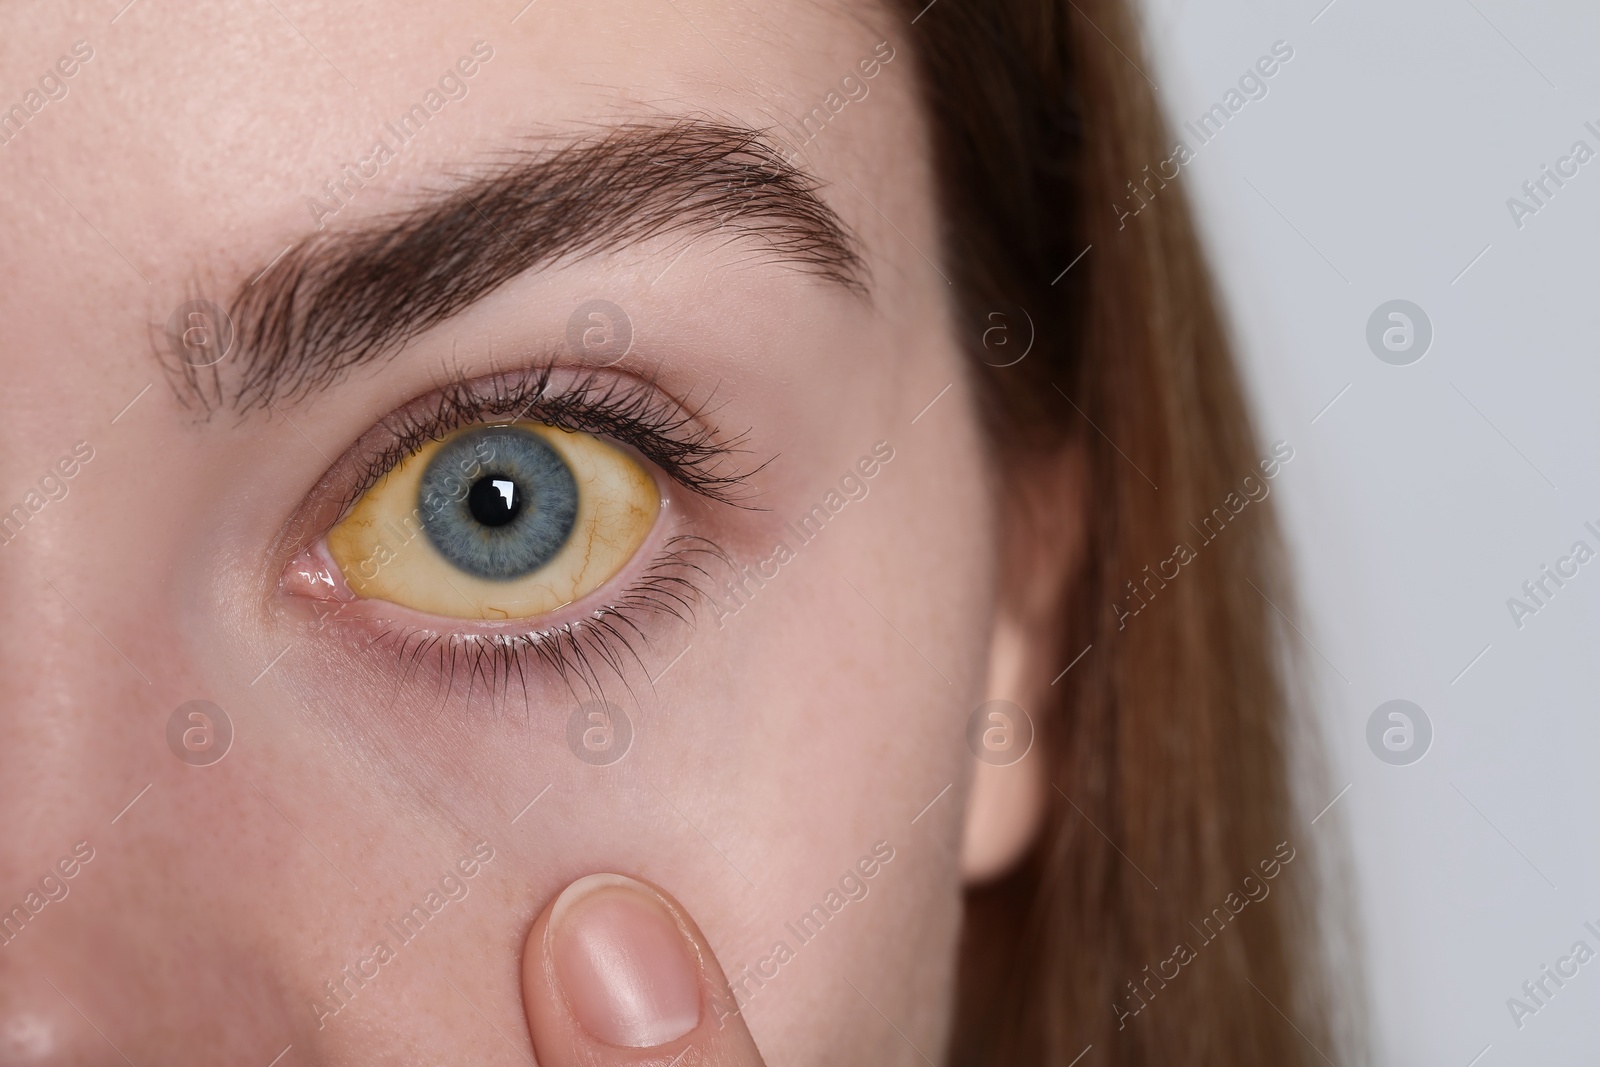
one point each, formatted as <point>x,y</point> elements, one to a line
<point>1378,167</point>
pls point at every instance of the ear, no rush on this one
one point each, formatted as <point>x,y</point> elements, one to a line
<point>1043,548</point>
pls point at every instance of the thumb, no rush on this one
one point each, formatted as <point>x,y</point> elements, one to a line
<point>614,972</point>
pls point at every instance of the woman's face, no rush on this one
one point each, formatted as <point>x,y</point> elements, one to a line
<point>405,770</point>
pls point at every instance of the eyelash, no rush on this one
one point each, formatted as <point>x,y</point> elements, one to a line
<point>625,410</point>
<point>572,651</point>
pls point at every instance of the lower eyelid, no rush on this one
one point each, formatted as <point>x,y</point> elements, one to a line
<point>317,591</point>
<point>579,644</point>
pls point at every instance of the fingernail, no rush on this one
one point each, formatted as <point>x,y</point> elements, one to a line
<point>628,973</point>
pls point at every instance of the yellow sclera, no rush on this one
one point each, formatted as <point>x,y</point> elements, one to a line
<point>383,552</point>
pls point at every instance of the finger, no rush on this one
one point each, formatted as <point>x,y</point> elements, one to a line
<point>615,972</point>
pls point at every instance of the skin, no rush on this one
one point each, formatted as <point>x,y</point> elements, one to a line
<point>777,749</point>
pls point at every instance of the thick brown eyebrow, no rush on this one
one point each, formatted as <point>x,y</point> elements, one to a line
<point>342,298</point>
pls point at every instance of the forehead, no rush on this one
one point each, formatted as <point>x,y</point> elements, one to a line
<point>203,138</point>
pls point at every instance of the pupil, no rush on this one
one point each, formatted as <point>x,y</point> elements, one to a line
<point>494,500</point>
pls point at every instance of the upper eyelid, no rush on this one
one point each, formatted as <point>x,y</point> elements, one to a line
<point>679,438</point>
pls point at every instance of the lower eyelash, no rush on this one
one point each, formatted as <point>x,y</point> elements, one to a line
<point>581,652</point>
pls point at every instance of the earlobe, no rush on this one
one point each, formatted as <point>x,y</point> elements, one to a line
<point>1006,802</point>
<point>1003,815</point>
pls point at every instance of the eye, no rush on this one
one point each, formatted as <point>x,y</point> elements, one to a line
<point>499,521</point>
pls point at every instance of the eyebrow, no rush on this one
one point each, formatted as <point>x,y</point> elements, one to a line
<point>342,298</point>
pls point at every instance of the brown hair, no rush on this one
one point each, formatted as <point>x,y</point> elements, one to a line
<point>1169,748</point>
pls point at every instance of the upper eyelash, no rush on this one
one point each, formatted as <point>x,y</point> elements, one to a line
<point>624,409</point>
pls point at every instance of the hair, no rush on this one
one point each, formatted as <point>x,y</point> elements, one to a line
<point>1170,744</point>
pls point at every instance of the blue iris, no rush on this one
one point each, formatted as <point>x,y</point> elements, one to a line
<point>498,502</point>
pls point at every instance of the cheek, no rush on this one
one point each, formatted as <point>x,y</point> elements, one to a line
<point>831,716</point>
